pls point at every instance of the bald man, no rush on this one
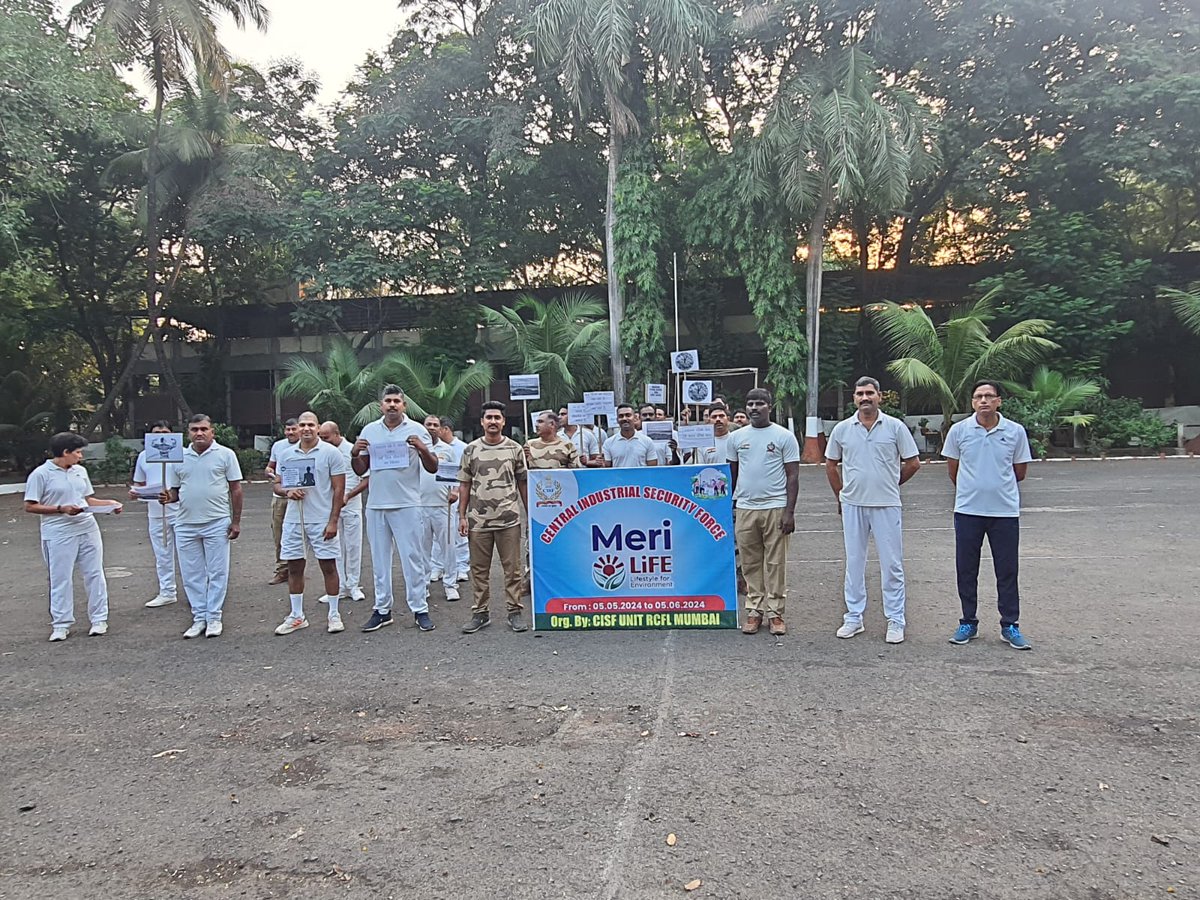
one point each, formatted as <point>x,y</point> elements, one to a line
<point>349,566</point>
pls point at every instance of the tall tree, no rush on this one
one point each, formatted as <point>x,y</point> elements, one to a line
<point>612,43</point>
<point>170,39</point>
<point>836,136</point>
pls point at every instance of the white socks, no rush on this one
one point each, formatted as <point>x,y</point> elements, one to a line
<point>297,605</point>
<point>333,603</point>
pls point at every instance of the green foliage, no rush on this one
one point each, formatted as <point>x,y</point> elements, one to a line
<point>1186,305</point>
<point>1063,395</point>
<point>1068,270</point>
<point>250,461</point>
<point>116,465</point>
<point>889,404</point>
<point>1122,422</point>
<point>1040,418</point>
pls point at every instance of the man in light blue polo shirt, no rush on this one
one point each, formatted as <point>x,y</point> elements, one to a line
<point>987,456</point>
<point>877,454</point>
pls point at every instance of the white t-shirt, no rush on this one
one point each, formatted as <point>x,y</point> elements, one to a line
<point>436,493</point>
<point>203,480</point>
<point>395,488</point>
<point>143,474</point>
<point>871,459</point>
<point>627,453</point>
<point>52,485</point>
<point>586,442</point>
<point>986,484</point>
<point>278,447</point>
<point>326,461</point>
<point>354,507</point>
<point>718,455</point>
<point>760,454</point>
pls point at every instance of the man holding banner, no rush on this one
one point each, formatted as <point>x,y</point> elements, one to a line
<point>629,448</point>
<point>160,521</point>
<point>765,462</point>
<point>492,492</point>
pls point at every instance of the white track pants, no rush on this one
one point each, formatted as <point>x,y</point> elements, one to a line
<point>164,554</point>
<point>435,529</point>
<point>858,524</point>
<point>204,564</point>
<point>349,565</point>
<point>62,555</point>
<point>400,528</point>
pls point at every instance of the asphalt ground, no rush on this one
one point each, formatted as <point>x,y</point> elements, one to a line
<point>440,765</point>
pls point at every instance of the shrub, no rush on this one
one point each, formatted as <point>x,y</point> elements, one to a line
<point>116,465</point>
<point>1039,417</point>
<point>1122,422</point>
<point>252,462</point>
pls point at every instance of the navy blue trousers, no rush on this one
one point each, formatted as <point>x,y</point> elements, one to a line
<point>1004,539</point>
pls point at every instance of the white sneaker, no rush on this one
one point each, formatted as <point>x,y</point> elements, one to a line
<point>452,592</point>
<point>292,623</point>
<point>357,595</point>
<point>335,624</point>
<point>435,577</point>
<point>98,628</point>
<point>324,598</point>
<point>195,631</point>
<point>59,634</point>
<point>850,629</point>
<point>214,629</point>
<point>463,576</point>
<point>895,633</point>
<point>160,600</point>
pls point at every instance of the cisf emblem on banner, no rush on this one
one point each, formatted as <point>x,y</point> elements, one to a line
<point>632,548</point>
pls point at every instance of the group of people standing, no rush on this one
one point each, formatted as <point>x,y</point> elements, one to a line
<point>417,476</point>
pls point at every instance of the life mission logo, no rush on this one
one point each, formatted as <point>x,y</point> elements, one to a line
<point>608,572</point>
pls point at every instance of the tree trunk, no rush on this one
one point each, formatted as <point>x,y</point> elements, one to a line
<point>814,434</point>
<point>616,300</point>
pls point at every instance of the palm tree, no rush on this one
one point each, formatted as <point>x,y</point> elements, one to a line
<point>561,340</point>
<point>170,39</point>
<point>943,362</point>
<point>837,136</point>
<point>1186,305</point>
<point>602,40</point>
<point>348,393</point>
<point>1055,390</point>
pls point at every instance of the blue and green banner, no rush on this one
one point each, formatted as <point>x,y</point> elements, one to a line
<point>632,548</point>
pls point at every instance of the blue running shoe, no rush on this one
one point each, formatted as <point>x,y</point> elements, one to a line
<point>423,621</point>
<point>965,634</point>
<point>1012,636</point>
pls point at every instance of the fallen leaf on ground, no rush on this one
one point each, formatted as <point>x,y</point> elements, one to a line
<point>692,885</point>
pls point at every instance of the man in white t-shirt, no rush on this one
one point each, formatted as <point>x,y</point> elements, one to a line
<point>207,485</point>
<point>668,453</point>
<point>458,555</point>
<point>401,450</point>
<point>350,529</point>
<point>629,448</point>
<point>987,456</point>
<point>291,434</point>
<point>877,454</point>
<point>435,513</point>
<point>764,460</point>
<point>718,417</point>
<point>587,445</point>
<point>60,491</point>
<point>312,518</point>
<point>160,522</point>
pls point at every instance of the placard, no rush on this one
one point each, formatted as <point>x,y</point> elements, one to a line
<point>447,471</point>
<point>598,403</point>
<point>632,548</point>
<point>697,437</point>
<point>164,448</point>
<point>697,392</point>
<point>390,455</point>
<point>656,393</point>
<point>685,361</point>
<point>296,473</point>
<point>657,430</point>
<point>577,414</point>
<point>525,387</point>
<point>148,493</point>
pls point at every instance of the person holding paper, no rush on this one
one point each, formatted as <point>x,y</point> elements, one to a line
<point>60,491</point>
<point>291,434</point>
<point>667,450</point>
<point>718,417</point>
<point>460,553</point>
<point>492,484</point>
<point>435,514</point>
<point>350,520</point>
<point>764,460</point>
<point>160,521</point>
<point>207,485</point>
<point>312,519</point>
<point>549,450</point>
<point>587,444</point>
<point>393,505</point>
<point>629,448</point>
<point>877,454</point>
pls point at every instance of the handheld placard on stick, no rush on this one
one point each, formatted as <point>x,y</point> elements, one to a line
<point>164,509</point>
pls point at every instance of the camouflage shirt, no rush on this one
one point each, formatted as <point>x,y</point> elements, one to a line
<point>493,472</point>
<point>558,455</point>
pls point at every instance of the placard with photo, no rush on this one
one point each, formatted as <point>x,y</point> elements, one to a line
<point>525,387</point>
<point>685,361</point>
<point>164,448</point>
<point>697,393</point>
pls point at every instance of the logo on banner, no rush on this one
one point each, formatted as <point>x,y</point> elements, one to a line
<point>549,492</point>
<point>709,484</point>
<point>608,572</point>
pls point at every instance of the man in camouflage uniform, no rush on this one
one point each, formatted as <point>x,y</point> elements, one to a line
<point>549,450</point>
<point>492,493</point>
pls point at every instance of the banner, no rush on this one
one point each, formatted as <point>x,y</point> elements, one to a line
<point>632,548</point>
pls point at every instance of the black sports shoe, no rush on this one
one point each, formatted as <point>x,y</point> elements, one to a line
<point>424,622</point>
<point>479,620</point>
<point>377,621</point>
<point>515,623</point>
